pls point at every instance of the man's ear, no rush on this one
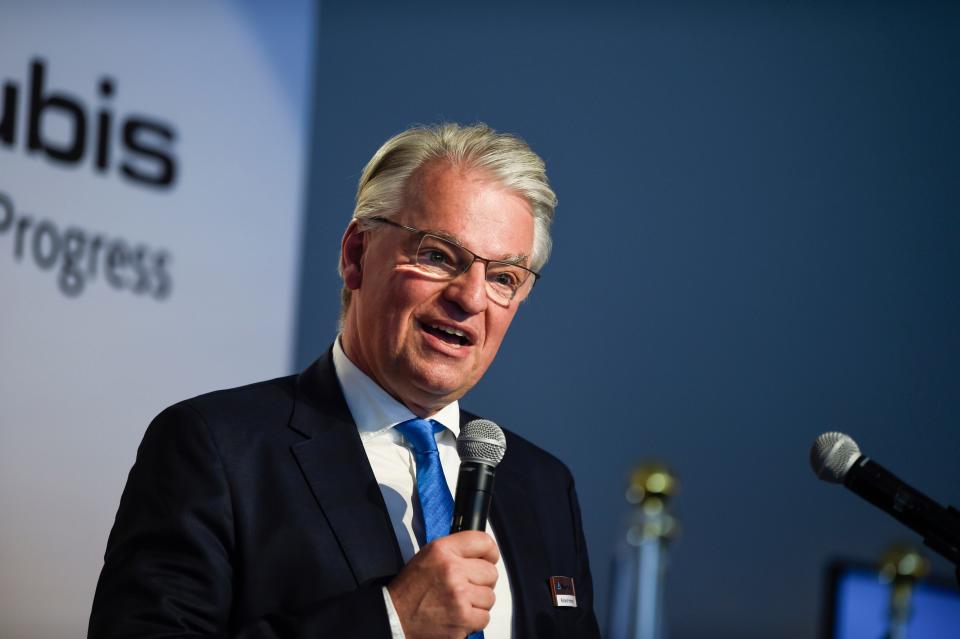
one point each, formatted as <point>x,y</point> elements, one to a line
<point>351,255</point>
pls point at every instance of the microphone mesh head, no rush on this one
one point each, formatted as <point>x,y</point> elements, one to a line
<point>832,455</point>
<point>481,441</point>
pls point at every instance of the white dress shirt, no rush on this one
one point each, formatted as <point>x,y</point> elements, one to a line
<point>376,413</point>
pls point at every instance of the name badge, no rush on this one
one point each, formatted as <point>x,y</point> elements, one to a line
<point>563,593</point>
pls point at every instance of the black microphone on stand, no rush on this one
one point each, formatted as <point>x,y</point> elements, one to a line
<point>836,458</point>
<point>481,446</point>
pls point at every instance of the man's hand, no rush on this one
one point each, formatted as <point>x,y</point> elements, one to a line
<point>446,591</point>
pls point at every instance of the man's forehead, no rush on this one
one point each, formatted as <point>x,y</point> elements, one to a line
<point>473,209</point>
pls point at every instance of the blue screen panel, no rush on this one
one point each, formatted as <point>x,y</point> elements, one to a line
<point>862,603</point>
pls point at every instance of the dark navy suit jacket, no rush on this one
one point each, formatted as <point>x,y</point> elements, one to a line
<point>254,513</point>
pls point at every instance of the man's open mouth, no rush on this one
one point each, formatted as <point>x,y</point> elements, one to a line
<point>450,335</point>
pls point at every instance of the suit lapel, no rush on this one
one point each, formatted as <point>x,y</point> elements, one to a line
<point>337,469</point>
<point>338,472</point>
<point>513,516</point>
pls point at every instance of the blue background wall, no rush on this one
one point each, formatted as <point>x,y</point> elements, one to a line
<point>757,241</point>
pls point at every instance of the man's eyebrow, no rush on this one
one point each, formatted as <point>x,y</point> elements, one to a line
<point>519,259</point>
<point>443,236</point>
<point>513,258</point>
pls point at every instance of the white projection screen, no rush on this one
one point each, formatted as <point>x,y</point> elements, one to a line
<point>151,185</point>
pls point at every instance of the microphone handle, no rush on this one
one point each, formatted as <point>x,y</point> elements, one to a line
<point>939,526</point>
<point>472,502</point>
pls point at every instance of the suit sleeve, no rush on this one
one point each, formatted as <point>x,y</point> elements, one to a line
<point>167,569</point>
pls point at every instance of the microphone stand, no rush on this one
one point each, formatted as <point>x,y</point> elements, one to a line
<point>637,610</point>
<point>901,567</point>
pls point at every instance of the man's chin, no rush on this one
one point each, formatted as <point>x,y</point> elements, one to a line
<point>438,390</point>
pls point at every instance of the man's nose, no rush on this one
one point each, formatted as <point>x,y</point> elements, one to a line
<point>469,289</point>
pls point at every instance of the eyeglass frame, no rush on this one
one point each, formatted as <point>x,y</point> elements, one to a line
<point>476,258</point>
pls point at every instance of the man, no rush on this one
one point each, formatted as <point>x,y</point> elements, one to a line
<point>301,507</point>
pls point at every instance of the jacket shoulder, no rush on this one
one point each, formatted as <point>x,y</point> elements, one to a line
<point>249,401</point>
<point>526,458</point>
<point>244,413</point>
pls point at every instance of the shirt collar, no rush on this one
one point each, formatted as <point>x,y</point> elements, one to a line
<point>372,408</point>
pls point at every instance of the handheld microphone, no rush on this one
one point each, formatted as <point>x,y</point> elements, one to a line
<point>481,446</point>
<point>836,458</point>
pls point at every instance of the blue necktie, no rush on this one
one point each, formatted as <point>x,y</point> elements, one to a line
<point>436,503</point>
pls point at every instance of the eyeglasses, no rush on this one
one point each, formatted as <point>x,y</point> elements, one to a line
<point>444,259</point>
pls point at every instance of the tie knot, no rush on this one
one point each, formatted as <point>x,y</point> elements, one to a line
<point>420,434</point>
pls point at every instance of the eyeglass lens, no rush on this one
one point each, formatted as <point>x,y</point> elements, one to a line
<point>445,259</point>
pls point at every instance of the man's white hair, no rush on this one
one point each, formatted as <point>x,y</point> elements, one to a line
<point>506,158</point>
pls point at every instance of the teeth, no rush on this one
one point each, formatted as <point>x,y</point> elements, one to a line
<point>450,331</point>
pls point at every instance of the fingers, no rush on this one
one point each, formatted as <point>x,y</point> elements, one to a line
<point>481,572</point>
<point>482,598</point>
<point>446,591</point>
<point>471,610</point>
<point>472,544</point>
